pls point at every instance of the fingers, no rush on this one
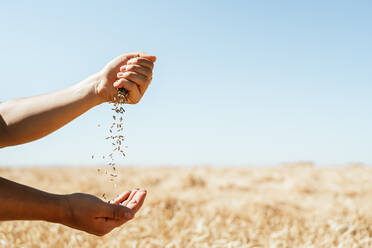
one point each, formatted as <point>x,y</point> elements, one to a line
<point>147,56</point>
<point>117,212</point>
<point>120,60</point>
<point>121,197</point>
<point>130,197</point>
<point>126,57</point>
<point>139,79</point>
<point>137,68</point>
<point>141,61</point>
<point>134,92</point>
<point>136,202</point>
<point>139,71</point>
<point>135,74</point>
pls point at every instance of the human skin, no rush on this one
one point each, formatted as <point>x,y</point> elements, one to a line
<point>27,119</point>
<point>80,211</point>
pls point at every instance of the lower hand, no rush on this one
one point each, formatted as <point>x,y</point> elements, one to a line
<point>90,214</point>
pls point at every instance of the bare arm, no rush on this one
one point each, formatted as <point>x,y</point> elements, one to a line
<point>26,119</point>
<point>81,211</point>
<point>20,202</point>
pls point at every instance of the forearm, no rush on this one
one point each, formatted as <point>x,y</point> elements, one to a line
<point>20,202</point>
<point>28,119</point>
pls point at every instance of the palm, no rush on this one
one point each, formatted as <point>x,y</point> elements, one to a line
<point>91,214</point>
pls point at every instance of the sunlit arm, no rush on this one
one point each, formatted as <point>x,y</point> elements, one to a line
<point>26,119</point>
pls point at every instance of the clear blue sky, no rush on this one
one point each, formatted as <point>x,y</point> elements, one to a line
<point>236,82</point>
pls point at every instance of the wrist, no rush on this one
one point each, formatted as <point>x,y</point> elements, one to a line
<point>62,210</point>
<point>97,85</point>
<point>88,89</point>
<point>59,211</point>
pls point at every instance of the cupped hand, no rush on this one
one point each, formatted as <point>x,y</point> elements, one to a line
<point>132,71</point>
<point>90,214</point>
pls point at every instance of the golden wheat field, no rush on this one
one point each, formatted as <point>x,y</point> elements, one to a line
<point>284,206</point>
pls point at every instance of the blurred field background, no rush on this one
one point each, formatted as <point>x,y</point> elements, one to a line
<point>297,205</point>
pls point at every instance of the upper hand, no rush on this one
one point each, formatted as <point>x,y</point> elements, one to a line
<point>90,214</point>
<point>132,71</point>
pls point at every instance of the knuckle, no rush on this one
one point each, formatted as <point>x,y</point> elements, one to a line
<point>131,74</point>
<point>144,78</point>
<point>131,86</point>
<point>131,67</point>
<point>133,61</point>
<point>150,63</point>
<point>147,71</point>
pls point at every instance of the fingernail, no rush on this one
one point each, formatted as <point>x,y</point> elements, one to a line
<point>116,83</point>
<point>120,74</point>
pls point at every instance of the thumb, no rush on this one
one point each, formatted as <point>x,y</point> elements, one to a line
<point>117,212</point>
<point>122,59</point>
<point>147,56</point>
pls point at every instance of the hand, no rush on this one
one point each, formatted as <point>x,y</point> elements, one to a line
<point>132,71</point>
<point>90,214</point>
